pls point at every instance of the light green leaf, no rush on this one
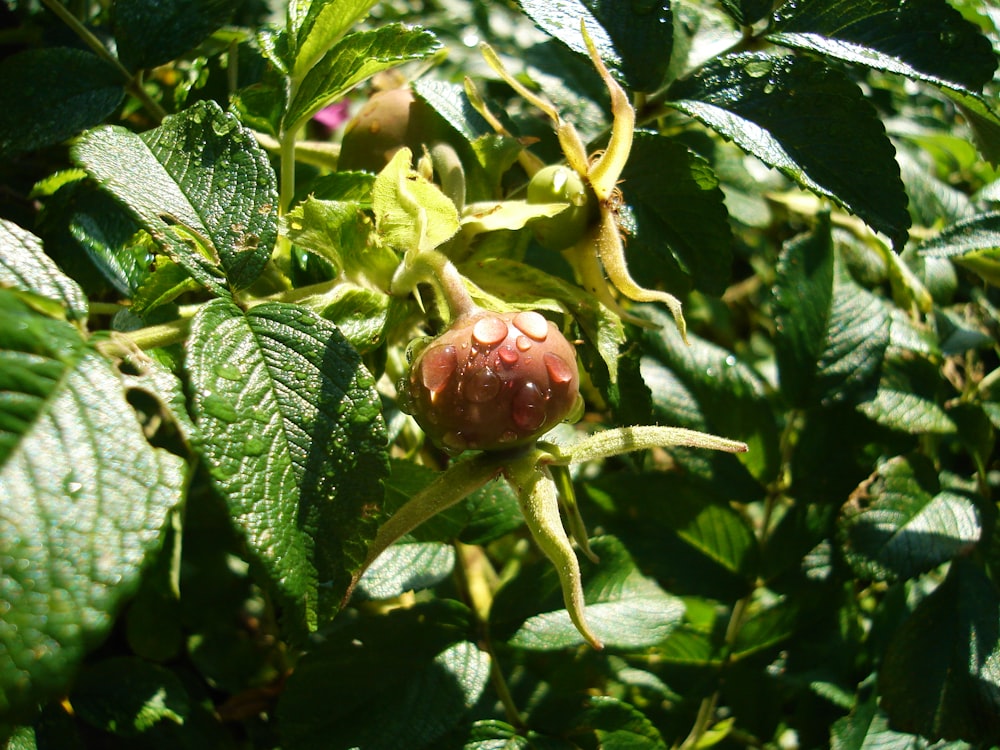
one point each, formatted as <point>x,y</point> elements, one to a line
<point>293,438</point>
<point>407,567</point>
<point>905,524</point>
<point>929,41</point>
<point>70,447</point>
<point>152,32</point>
<point>940,676</point>
<point>807,120</point>
<point>322,26</point>
<point>25,266</point>
<point>50,94</point>
<point>624,608</point>
<point>355,58</point>
<point>199,184</point>
<point>411,213</point>
<point>907,397</point>
<point>403,692</point>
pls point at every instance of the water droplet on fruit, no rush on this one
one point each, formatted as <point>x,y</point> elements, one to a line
<point>532,324</point>
<point>489,331</point>
<point>483,385</point>
<point>523,343</point>
<point>508,355</point>
<point>559,371</point>
<point>528,407</point>
<point>437,367</point>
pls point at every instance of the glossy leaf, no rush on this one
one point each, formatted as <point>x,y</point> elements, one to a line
<point>929,41</point>
<point>151,32</point>
<point>679,212</point>
<point>70,447</point>
<point>909,397</point>
<point>48,95</point>
<point>300,475</point>
<point>356,57</point>
<point>199,184</point>
<point>807,120</point>
<point>904,524</point>
<point>407,567</point>
<point>404,692</point>
<point>747,12</point>
<point>634,39</point>
<point>25,266</point>
<point>969,235</point>
<point>320,27</point>
<point>940,676</point>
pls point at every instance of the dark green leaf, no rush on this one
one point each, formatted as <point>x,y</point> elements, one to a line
<point>199,184</point>
<point>765,628</point>
<point>970,235</point>
<point>624,608</point>
<point>25,266</point>
<point>807,120</point>
<point>413,676</point>
<point>940,676</point>
<point>407,566</point>
<point>747,12</point>
<point>903,524</point>
<point>356,57</point>
<point>635,39</point>
<point>928,41</point>
<point>151,32</point>
<point>980,111</point>
<point>679,211</point>
<point>487,734</point>
<point>70,447</point>
<point>127,696</point>
<point>909,396</point>
<point>616,725</point>
<point>292,435</point>
<point>48,95</point>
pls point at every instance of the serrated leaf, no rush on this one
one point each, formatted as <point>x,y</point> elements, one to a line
<point>940,676</point>
<point>623,608</point>
<point>634,39</point>
<point>70,447</point>
<point>901,523</point>
<point>200,172</point>
<point>969,235</point>
<point>356,57</point>
<point>807,120</point>
<point>320,27</point>
<point>292,435</point>
<point>25,266</point>
<point>449,101</point>
<point>152,32</point>
<point>616,725</point>
<point>907,398</point>
<point>680,211</point>
<point>48,95</point>
<point>729,398</point>
<point>403,692</point>
<point>407,567</point>
<point>929,41</point>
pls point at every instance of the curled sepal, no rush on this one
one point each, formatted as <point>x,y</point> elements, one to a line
<point>567,499</point>
<point>450,487</point>
<point>539,499</point>
<point>620,440</point>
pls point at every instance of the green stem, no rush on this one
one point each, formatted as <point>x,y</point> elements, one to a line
<point>644,437</point>
<point>67,17</point>
<point>434,267</point>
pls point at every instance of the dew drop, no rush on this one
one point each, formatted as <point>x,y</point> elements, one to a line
<point>523,343</point>
<point>228,372</point>
<point>220,408</point>
<point>532,324</point>
<point>489,331</point>
<point>508,355</point>
<point>559,370</point>
<point>730,360</point>
<point>437,367</point>
<point>483,385</point>
<point>528,407</point>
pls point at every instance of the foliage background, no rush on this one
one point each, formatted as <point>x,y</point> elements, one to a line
<point>197,365</point>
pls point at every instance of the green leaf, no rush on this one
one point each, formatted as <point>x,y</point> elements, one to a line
<point>765,628</point>
<point>291,432</point>
<point>679,211</point>
<point>903,524</point>
<point>984,122</point>
<point>807,120</point>
<point>322,26</point>
<point>634,39</point>
<point>971,234</point>
<point>908,397</point>
<point>940,676</point>
<point>725,396</point>
<point>402,692</point>
<point>407,567</point>
<point>355,58</point>
<point>152,32</point>
<point>25,266</point>
<point>928,41</point>
<point>616,725</point>
<point>747,12</point>
<point>199,184</point>
<point>624,608</point>
<point>486,734</point>
<point>70,447</point>
<point>50,94</point>
<point>127,696</point>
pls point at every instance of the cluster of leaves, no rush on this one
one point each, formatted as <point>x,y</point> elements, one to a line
<point>199,436</point>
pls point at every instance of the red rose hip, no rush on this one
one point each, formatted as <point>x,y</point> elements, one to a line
<point>493,381</point>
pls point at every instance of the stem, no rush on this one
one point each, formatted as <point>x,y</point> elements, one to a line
<point>434,267</point>
<point>67,17</point>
